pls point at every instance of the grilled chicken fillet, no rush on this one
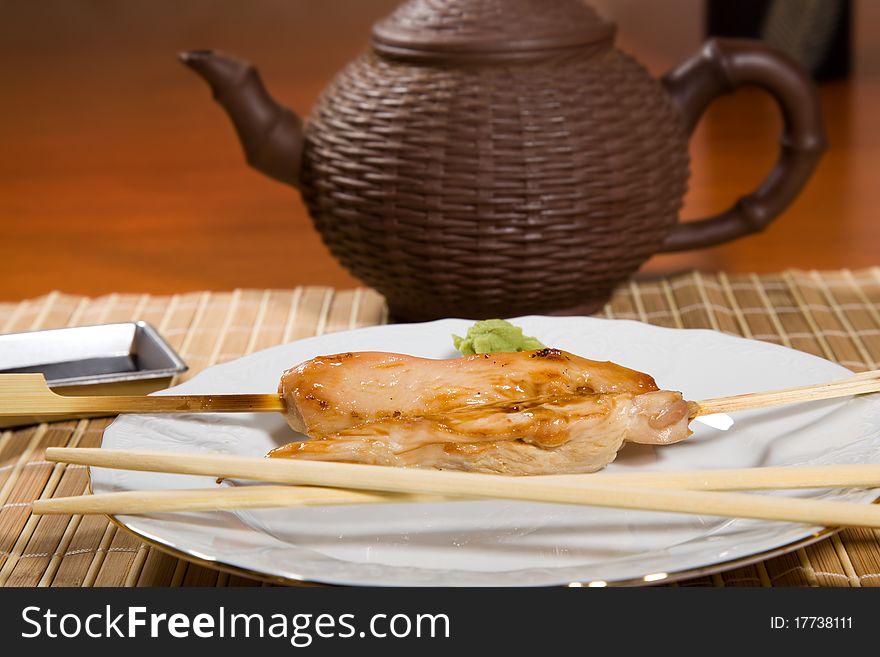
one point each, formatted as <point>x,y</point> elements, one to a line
<point>538,412</point>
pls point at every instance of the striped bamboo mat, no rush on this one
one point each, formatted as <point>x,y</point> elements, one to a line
<point>832,314</point>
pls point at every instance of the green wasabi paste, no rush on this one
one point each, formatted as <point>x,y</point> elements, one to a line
<point>490,336</point>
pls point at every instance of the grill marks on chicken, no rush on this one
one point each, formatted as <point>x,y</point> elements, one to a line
<point>540,412</point>
<point>332,393</point>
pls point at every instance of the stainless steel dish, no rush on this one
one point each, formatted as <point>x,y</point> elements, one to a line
<point>128,358</point>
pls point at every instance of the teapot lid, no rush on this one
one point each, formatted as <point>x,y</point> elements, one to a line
<point>488,29</point>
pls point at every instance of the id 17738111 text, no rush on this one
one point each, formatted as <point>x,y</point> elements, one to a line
<point>811,623</point>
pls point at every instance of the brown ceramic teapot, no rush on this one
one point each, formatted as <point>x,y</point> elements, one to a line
<point>501,157</point>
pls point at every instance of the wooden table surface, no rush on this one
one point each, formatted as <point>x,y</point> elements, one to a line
<point>120,174</point>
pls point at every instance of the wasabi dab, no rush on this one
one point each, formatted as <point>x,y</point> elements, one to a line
<point>491,336</point>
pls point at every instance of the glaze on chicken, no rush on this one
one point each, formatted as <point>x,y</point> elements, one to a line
<point>528,413</point>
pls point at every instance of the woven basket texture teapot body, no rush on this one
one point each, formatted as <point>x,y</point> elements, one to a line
<point>501,157</point>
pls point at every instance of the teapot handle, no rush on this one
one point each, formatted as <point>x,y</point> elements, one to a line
<point>721,66</point>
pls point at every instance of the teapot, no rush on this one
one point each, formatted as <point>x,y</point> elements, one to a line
<point>492,158</point>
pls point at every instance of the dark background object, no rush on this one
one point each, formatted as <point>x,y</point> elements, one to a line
<point>117,175</point>
<point>817,33</point>
<point>493,159</point>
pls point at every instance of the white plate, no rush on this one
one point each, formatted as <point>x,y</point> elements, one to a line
<point>501,542</point>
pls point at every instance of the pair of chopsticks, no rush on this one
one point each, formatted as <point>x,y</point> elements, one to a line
<point>344,483</point>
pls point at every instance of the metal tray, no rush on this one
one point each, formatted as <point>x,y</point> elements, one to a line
<point>129,358</point>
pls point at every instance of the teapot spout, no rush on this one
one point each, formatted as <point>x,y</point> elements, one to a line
<point>271,135</point>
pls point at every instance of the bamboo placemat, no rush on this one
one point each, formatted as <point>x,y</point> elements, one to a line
<point>835,315</point>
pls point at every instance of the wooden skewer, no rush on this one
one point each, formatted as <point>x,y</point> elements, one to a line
<point>856,385</point>
<point>28,394</point>
<point>253,497</point>
<point>460,484</point>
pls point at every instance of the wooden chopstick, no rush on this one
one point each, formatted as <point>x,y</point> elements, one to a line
<point>262,469</point>
<point>460,484</point>
<point>866,475</point>
<point>217,499</point>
